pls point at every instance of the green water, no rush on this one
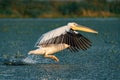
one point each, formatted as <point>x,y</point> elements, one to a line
<point>100,62</point>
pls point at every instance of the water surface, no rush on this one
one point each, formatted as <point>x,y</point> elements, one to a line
<point>100,62</point>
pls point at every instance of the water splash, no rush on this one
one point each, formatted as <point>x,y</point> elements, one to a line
<point>30,59</point>
<point>35,59</point>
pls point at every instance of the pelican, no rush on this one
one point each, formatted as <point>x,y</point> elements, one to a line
<point>65,37</point>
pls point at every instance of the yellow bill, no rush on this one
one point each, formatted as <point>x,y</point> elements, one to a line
<point>84,29</point>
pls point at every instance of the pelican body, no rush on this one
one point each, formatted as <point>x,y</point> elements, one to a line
<point>47,51</point>
<point>65,37</point>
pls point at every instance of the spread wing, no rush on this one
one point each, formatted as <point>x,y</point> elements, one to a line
<point>74,39</point>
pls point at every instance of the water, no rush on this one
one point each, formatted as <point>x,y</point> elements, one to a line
<point>100,62</point>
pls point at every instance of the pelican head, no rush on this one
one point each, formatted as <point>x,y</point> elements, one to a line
<point>75,26</point>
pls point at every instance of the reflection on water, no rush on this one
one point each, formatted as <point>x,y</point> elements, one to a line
<point>100,62</point>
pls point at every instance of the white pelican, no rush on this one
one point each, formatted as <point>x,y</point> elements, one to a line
<point>65,37</point>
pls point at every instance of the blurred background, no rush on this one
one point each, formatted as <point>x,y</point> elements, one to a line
<point>22,22</point>
<point>59,8</point>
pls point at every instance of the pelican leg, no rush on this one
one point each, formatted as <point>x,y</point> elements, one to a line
<point>52,57</point>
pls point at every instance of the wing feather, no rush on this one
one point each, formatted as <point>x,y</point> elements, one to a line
<point>52,36</point>
<point>75,40</point>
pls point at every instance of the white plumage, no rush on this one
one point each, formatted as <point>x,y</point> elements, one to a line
<point>65,37</point>
<point>52,34</point>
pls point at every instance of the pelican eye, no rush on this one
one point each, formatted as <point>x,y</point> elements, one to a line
<point>75,24</point>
